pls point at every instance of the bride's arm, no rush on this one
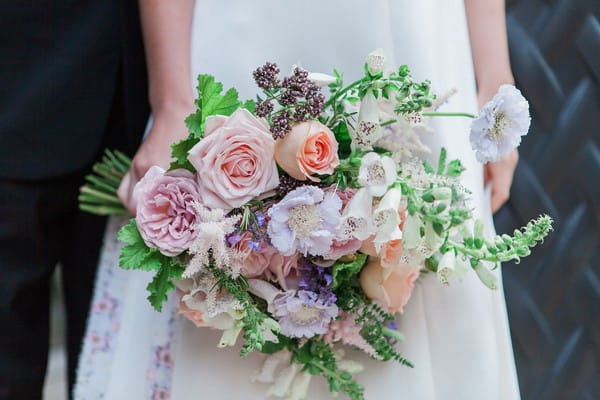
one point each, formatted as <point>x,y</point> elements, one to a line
<point>166,29</point>
<point>489,45</point>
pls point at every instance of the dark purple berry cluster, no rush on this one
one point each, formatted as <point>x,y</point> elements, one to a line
<point>299,98</point>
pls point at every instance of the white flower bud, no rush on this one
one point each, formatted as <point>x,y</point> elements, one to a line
<point>412,231</point>
<point>432,239</point>
<point>323,80</point>
<point>375,61</point>
<point>487,277</point>
<point>368,130</point>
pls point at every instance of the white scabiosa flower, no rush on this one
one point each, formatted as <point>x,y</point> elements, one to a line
<point>375,61</point>
<point>356,218</point>
<point>446,267</point>
<point>386,219</point>
<point>323,80</point>
<point>368,130</point>
<point>487,277</point>
<point>376,173</point>
<point>500,125</point>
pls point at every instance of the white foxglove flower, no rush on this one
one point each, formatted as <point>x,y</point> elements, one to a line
<point>433,241</point>
<point>356,218</point>
<point>375,61</point>
<point>462,266</point>
<point>446,267</point>
<point>411,231</point>
<point>283,382</point>
<point>487,277</point>
<point>229,336</point>
<point>386,219</point>
<point>500,125</point>
<point>299,388</point>
<point>368,130</point>
<point>376,173</point>
<point>267,372</point>
<point>323,80</point>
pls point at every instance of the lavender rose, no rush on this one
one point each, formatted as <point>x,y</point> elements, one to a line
<point>166,216</point>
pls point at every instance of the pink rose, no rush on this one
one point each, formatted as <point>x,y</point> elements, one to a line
<point>308,149</point>
<point>391,287</point>
<point>283,271</point>
<point>390,252</point>
<point>234,161</point>
<point>165,215</point>
<point>254,263</point>
<point>340,248</point>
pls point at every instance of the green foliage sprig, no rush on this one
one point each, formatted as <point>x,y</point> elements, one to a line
<point>318,358</point>
<point>253,318</point>
<point>504,247</point>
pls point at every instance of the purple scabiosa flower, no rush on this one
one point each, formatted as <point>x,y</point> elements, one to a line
<point>303,313</point>
<point>500,125</point>
<point>305,220</point>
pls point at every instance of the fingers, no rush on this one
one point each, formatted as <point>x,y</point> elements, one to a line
<point>125,192</point>
<point>500,174</point>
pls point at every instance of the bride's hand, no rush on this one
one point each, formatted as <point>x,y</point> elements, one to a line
<point>500,175</point>
<point>167,128</point>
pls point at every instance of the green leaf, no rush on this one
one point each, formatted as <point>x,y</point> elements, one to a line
<point>135,255</point>
<point>211,101</point>
<point>344,271</point>
<point>427,167</point>
<point>163,281</point>
<point>194,124</point>
<point>454,169</point>
<point>180,151</point>
<point>442,161</point>
<point>249,105</point>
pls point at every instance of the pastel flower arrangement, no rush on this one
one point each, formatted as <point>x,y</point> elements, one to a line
<point>303,222</point>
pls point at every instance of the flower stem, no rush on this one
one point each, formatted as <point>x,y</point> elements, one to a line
<point>448,114</point>
<point>343,91</point>
<point>392,333</point>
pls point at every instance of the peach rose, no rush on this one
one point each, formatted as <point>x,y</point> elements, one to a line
<point>283,270</point>
<point>392,287</point>
<point>235,160</point>
<point>390,251</point>
<point>308,149</point>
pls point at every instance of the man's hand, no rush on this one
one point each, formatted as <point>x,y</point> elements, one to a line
<point>500,175</point>
<point>168,127</point>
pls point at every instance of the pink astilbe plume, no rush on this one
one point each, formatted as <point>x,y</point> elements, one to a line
<point>212,230</point>
<point>348,332</point>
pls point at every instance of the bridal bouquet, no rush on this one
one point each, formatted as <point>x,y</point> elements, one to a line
<point>301,221</point>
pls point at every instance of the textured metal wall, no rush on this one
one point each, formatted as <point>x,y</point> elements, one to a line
<point>554,296</point>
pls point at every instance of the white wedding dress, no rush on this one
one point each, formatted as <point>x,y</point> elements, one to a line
<point>457,336</point>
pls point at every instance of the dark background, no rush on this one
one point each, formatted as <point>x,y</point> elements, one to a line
<point>553,297</point>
